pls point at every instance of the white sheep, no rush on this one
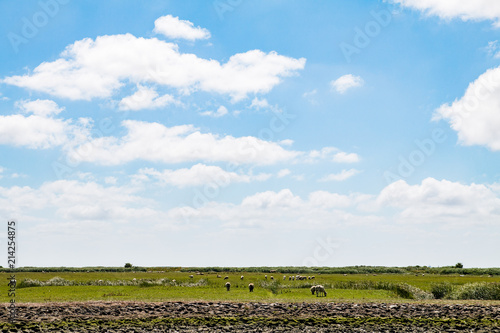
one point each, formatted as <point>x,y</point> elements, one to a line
<point>226,277</point>
<point>272,277</point>
<point>228,286</point>
<point>320,291</point>
<point>242,277</point>
<point>191,276</point>
<point>250,287</point>
<point>284,277</point>
<point>265,277</point>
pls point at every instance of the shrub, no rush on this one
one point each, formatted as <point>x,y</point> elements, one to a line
<point>459,265</point>
<point>128,265</point>
<point>478,290</point>
<point>441,290</point>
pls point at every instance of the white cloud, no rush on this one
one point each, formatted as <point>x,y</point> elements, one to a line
<point>493,49</point>
<point>44,108</point>
<point>343,157</point>
<point>200,174</point>
<point>221,111</point>
<point>173,27</point>
<point>435,201</point>
<point>98,68</point>
<point>3,98</point>
<point>156,143</point>
<point>259,103</point>
<point>346,82</point>
<point>338,177</point>
<point>145,98</point>
<point>476,115</point>
<point>283,173</point>
<point>110,180</point>
<point>466,10</point>
<point>74,201</point>
<point>35,132</point>
<point>332,153</point>
<point>277,210</point>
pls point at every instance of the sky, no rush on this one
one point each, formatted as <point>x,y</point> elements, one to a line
<point>251,133</point>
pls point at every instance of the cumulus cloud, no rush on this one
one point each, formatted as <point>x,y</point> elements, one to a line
<point>346,82</point>
<point>89,69</point>
<point>40,107</point>
<point>173,27</point>
<point>37,132</point>
<point>476,115</point>
<point>221,111</point>
<point>442,201</point>
<point>200,174</point>
<point>74,201</point>
<point>338,177</point>
<point>275,210</point>
<point>465,10</point>
<point>157,143</point>
<point>145,98</point>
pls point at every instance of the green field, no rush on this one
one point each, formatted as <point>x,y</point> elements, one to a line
<point>160,286</point>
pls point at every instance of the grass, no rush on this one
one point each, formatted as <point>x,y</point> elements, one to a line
<point>159,286</point>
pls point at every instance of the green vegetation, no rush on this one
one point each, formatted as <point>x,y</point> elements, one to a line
<point>168,284</point>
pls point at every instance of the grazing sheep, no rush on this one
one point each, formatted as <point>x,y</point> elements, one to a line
<point>265,277</point>
<point>191,276</point>
<point>289,278</point>
<point>226,277</point>
<point>313,289</point>
<point>218,276</point>
<point>272,277</point>
<point>242,277</point>
<point>284,277</point>
<point>312,277</point>
<point>250,287</point>
<point>228,286</point>
<point>320,291</point>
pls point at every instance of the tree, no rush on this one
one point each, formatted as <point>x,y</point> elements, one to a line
<point>128,265</point>
<point>459,265</point>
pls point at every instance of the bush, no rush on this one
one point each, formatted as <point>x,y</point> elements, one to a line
<point>459,265</point>
<point>478,290</point>
<point>128,265</point>
<point>441,290</point>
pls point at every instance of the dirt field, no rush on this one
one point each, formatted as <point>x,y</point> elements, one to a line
<point>251,317</point>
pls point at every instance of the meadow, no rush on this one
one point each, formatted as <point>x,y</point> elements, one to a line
<point>175,284</point>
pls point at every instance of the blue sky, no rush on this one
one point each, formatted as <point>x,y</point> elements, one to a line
<point>242,133</point>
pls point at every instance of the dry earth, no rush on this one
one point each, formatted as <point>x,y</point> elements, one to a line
<point>251,317</point>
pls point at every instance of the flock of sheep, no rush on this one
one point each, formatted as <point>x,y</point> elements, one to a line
<point>319,290</point>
